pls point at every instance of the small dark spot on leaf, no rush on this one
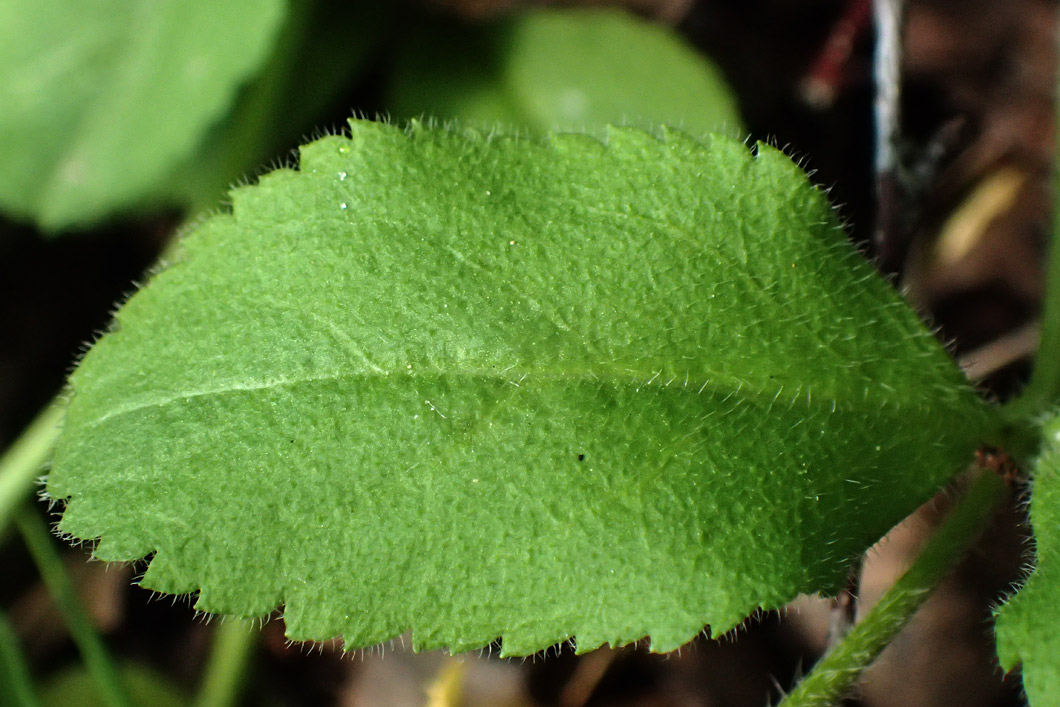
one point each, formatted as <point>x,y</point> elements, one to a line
<point>581,457</point>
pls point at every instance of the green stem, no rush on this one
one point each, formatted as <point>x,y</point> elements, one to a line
<point>23,461</point>
<point>15,680</point>
<point>233,646</point>
<point>1043,390</point>
<point>50,565</point>
<point>834,675</point>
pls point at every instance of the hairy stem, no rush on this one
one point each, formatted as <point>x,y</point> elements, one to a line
<point>23,461</point>
<point>50,565</point>
<point>16,684</point>
<point>834,675</point>
<point>234,641</point>
<point>1043,390</point>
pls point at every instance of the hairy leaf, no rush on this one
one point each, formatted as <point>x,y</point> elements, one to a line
<point>479,386</point>
<point>1027,624</point>
<point>574,68</point>
<point>100,100</point>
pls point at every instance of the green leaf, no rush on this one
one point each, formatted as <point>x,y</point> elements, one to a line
<point>147,687</point>
<point>102,99</point>
<point>1027,623</point>
<point>574,68</point>
<point>327,41</point>
<point>473,386</point>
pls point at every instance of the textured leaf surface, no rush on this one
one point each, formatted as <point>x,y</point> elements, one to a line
<point>574,68</point>
<point>1027,625</point>
<point>477,386</point>
<point>100,100</point>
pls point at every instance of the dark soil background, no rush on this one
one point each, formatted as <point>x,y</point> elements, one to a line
<point>979,80</point>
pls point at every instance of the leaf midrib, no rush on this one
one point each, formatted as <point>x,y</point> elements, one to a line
<point>722,387</point>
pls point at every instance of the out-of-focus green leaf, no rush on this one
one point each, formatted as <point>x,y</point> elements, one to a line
<point>575,68</point>
<point>100,100</point>
<point>147,688</point>
<point>320,51</point>
<point>1027,624</point>
<point>478,386</point>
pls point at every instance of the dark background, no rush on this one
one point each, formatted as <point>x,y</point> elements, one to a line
<point>979,79</point>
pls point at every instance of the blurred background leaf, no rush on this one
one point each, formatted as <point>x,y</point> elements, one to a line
<point>101,100</point>
<point>571,69</point>
<point>147,688</point>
